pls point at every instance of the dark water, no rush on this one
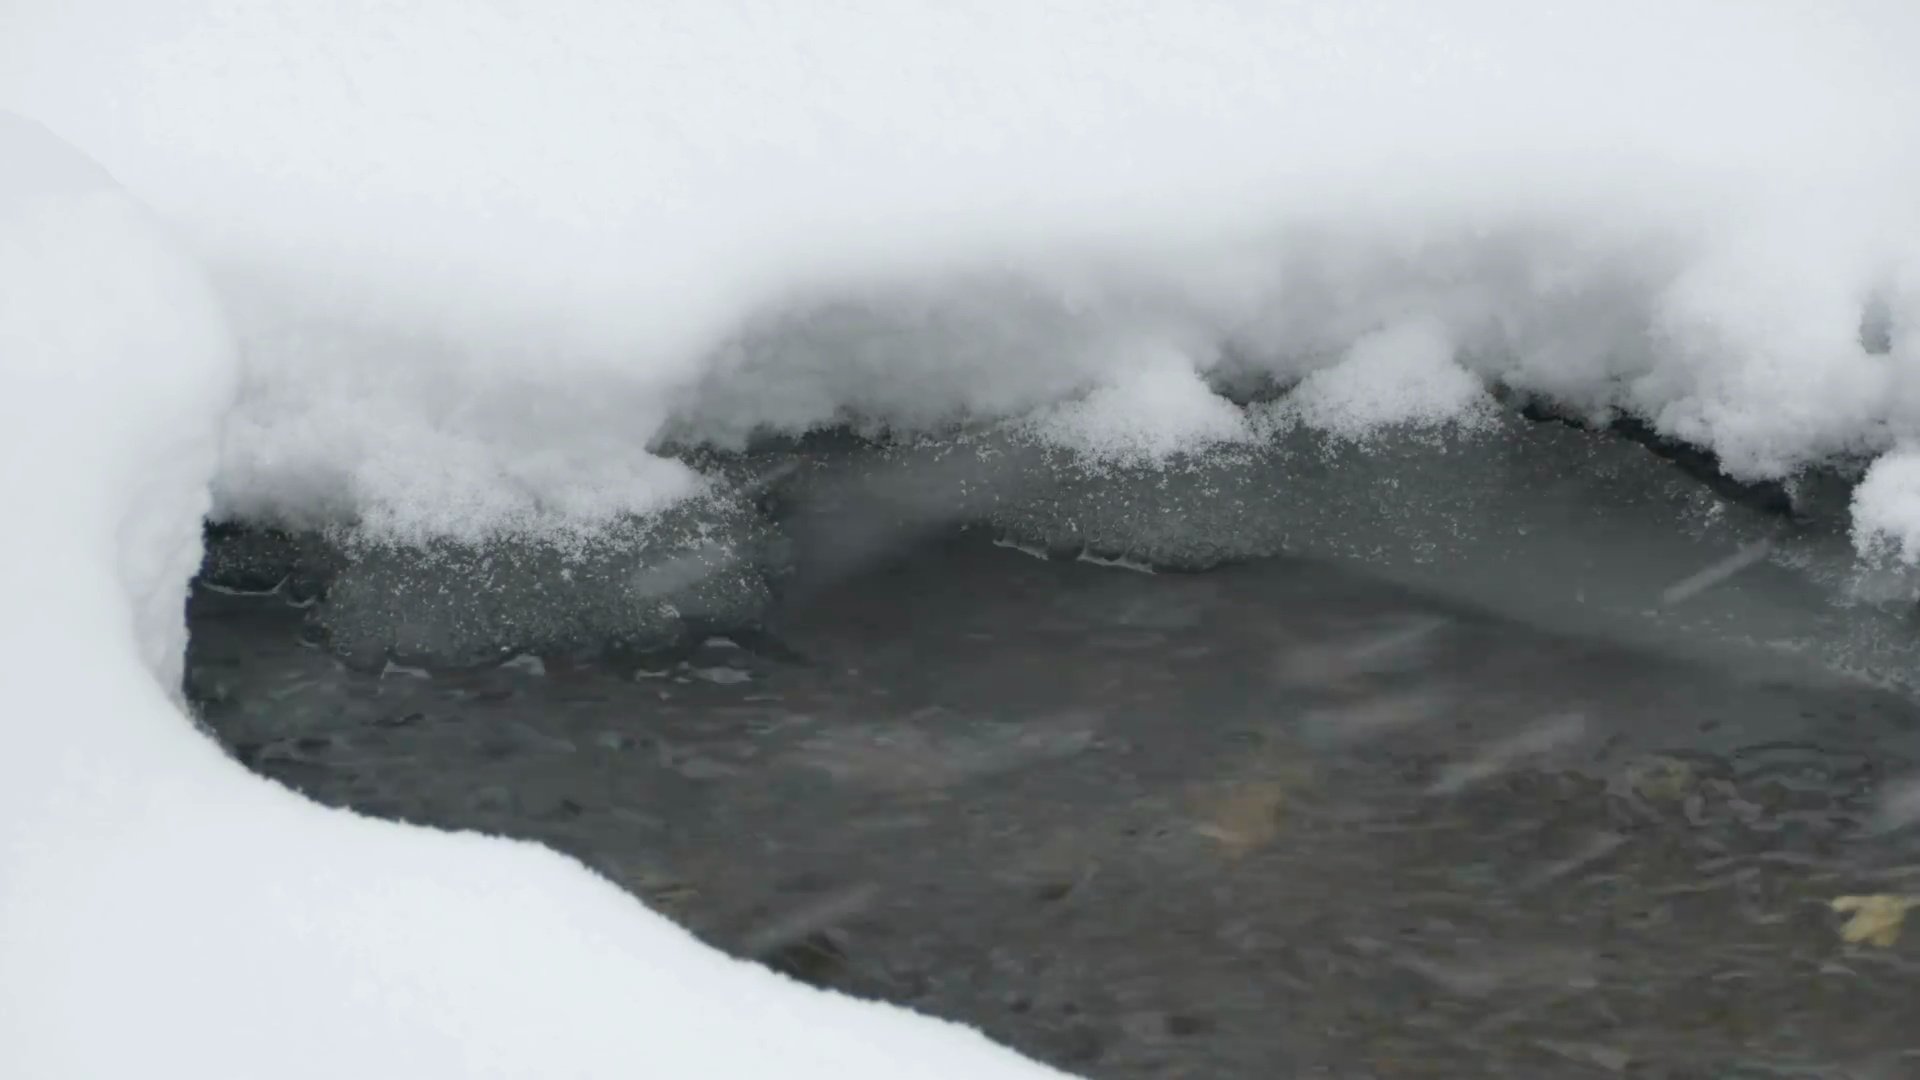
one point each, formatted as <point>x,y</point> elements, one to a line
<point>1272,820</point>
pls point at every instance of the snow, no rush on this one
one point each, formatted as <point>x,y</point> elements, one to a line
<point>1159,409</point>
<point>461,266</point>
<point>1401,375</point>
<point>165,913</point>
<point>1886,507</point>
<point>484,257</point>
<point>465,266</point>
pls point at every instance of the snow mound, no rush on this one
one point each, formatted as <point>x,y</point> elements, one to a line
<point>1161,409</point>
<point>1886,507</point>
<point>1403,375</point>
<point>485,257</point>
<point>163,912</point>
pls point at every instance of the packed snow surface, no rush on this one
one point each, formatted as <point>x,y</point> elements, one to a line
<point>484,255</point>
<point>163,912</point>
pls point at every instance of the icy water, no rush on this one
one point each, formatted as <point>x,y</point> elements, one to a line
<point>1272,820</point>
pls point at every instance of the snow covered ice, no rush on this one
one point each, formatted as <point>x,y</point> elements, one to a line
<point>450,271</point>
<point>482,258</point>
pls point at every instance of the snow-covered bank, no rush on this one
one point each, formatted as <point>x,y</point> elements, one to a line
<point>484,255</point>
<point>164,913</point>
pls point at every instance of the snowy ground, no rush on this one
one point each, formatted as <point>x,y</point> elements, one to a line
<point>453,269</point>
<point>162,912</point>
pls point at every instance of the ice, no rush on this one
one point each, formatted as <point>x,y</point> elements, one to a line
<point>165,913</point>
<point>1558,525</point>
<point>638,585</point>
<point>488,260</point>
<point>1719,573</point>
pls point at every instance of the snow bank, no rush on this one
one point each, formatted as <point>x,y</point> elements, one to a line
<point>484,255</point>
<point>164,913</point>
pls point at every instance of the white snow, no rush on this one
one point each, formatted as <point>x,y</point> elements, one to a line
<point>1402,375</point>
<point>1886,507</point>
<point>483,254</point>
<point>1145,413</point>
<point>164,913</point>
<point>477,257</point>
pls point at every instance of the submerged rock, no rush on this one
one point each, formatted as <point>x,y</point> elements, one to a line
<point>641,584</point>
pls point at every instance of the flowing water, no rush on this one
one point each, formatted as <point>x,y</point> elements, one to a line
<point>1276,819</point>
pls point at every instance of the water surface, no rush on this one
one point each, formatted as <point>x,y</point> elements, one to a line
<point>1272,820</point>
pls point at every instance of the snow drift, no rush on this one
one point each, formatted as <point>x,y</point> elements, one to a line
<point>164,913</point>
<point>486,262</point>
<point>485,257</point>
